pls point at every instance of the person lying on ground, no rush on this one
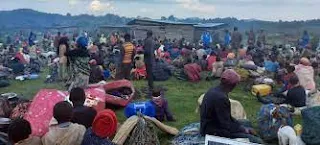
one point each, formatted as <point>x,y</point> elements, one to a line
<point>63,132</point>
<point>81,114</point>
<point>19,133</point>
<point>215,112</point>
<point>104,127</point>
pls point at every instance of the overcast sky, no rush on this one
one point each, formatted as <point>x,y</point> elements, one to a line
<point>244,9</point>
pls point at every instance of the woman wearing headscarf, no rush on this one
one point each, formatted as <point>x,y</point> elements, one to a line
<point>104,126</point>
<point>79,64</point>
<point>305,73</point>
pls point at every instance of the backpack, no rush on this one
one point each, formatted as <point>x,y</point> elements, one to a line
<point>270,118</point>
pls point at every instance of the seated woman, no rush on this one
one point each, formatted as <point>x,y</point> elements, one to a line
<point>81,114</point>
<point>140,68</point>
<point>103,127</point>
<point>305,73</point>
<point>211,59</point>
<point>217,68</point>
<point>19,133</point>
<point>65,132</point>
<point>296,96</point>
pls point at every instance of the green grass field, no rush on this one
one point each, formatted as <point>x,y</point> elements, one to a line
<point>182,97</point>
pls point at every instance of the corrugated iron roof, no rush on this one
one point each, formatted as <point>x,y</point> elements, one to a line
<point>115,26</point>
<point>167,22</point>
<point>210,25</point>
<point>136,21</point>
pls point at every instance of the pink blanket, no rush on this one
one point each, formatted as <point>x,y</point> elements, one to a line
<point>40,111</point>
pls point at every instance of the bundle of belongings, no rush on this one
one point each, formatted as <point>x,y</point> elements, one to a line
<point>270,118</point>
<point>140,129</point>
<point>311,125</point>
<point>12,107</point>
<point>4,74</point>
<point>190,135</point>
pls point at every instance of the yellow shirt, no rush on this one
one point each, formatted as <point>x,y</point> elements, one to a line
<point>128,49</point>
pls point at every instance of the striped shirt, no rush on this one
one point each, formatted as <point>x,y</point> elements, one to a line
<point>128,52</point>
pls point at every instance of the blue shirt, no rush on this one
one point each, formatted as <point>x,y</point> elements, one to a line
<point>305,40</point>
<point>271,66</point>
<point>227,39</point>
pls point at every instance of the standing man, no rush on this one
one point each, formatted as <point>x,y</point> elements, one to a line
<point>127,54</point>
<point>227,39</point>
<point>261,39</point>
<point>57,40</point>
<point>236,39</point>
<point>251,38</point>
<point>305,40</point>
<point>149,58</point>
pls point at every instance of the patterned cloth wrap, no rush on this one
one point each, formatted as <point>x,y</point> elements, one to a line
<point>270,118</point>
<point>189,135</point>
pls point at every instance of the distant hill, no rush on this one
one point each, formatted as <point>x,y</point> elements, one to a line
<point>27,18</point>
<point>31,19</point>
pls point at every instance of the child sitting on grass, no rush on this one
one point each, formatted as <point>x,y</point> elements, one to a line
<point>161,106</point>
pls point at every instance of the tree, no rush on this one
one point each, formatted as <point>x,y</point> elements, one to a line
<point>163,18</point>
<point>68,15</point>
<point>172,18</point>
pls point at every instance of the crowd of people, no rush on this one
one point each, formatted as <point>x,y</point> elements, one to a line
<point>80,61</point>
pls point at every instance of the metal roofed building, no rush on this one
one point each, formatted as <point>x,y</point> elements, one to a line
<point>172,29</point>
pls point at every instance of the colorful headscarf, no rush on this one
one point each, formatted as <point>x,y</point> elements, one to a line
<point>82,42</point>
<point>105,124</point>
